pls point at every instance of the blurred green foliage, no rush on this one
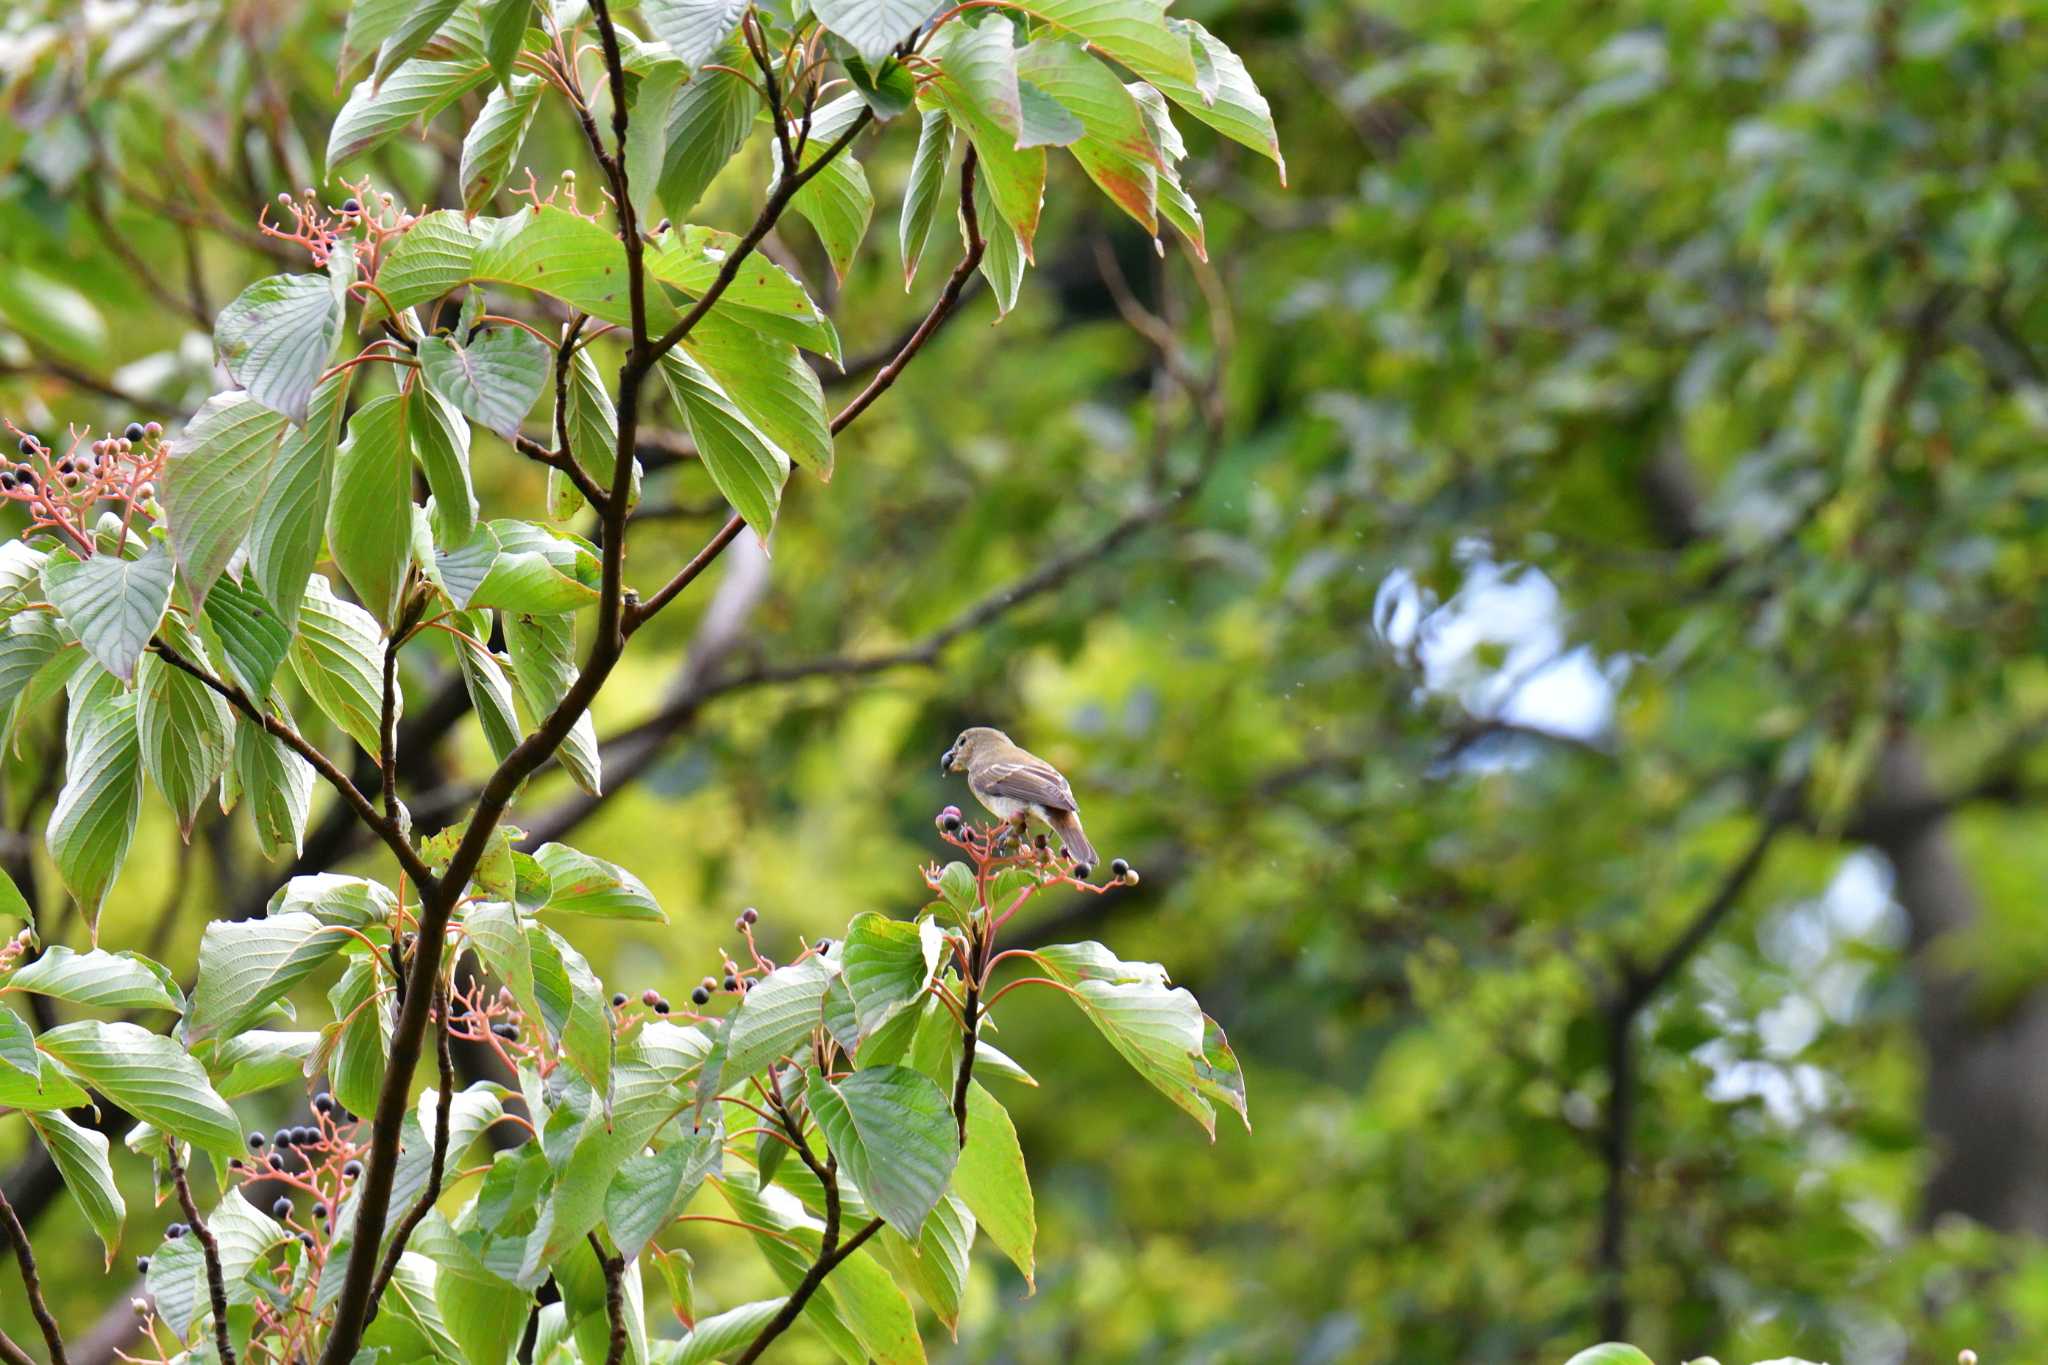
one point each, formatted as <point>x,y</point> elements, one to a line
<point>1665,378</point>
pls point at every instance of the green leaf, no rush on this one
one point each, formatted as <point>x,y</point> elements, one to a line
<point>894,1135</point>
<point>112,604</point>
<point>18,1055</point>
<point>1176,205</point>
<point>81,1157</point>
<point>888,90</point>
<point>555,252</point>
<point>284,538</point>
<point>1114,147</point>
<point>355,1047</point>
<point>1134,32</point>
<point>583,885</point>
<point>338,658</point>
<point>719,1336</point>
<point>370,22</point>
<point>93,820</point>
<point>278,335</point>
<point>253,638</point>
<point>693,29</point>
<point>496,378</point>
<point>921,198</point>
<point>430,258</point>
<point>490,695</point>
<point>889,965</point>
<point>748,469</point>
<point>771,386</point>
<point>369,522</point>
<point>55,315</point>
<point>177,1285</point>
<point>1160,1031</point>
<point>218,469</point>
<point>186,731</point>
<point>504,28</point>
<point>1046,122</point>
<point>651,1188</point>
<point>762,294</point>
<point>935,1265</point>
<point>99,978</point>
<point>776,1017</point>
<point>593,424</point>
<point>860,1311</point>
<point>245,966</point>
<point>538,571</point>
<point>873,27</point>
<point>836,202</point>
<point>1002,262</point>
<point>151,1077</point>
<point>706,122</point>
<point>421,21</point>
<point>572,1003</point>
<point>333,898</point>
<point>259,1059</point>
<point>276,784</point>
<point>1222,93</point>
<point>440,442</point>
<point>990,1179</point>
<point>46,1092</point>
<point>543,654</point>
<point>416,91</point>
<point>1610,1353</point>
<point>646,136</point>
<point>977,87</point>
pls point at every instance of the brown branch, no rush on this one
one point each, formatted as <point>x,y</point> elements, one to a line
<point>12,1353</point>
<point>614,1268</point>
<point>1638,990</point>
<point>443,1108</point>
<point>209,1249</point>
<point>25,1255</point>
<point>948,297</point>
<point>374,820</point>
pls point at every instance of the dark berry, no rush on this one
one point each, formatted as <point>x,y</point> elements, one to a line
<point>661,1007</point>
<point>306,1137</point>
<point>281,1208</point>
<point>619,1000</point>
<point>1082,870</point>
<point>505,1031</point>
<point>234,1163</point>
<point>26,477</point>
<point>134,432</point>
<point>350,205</point>
<point>749,915</point>
<point>824,945</point>
<point>320,1210</point>
<point>1040,843</point>
<point>7,479</point>
<point>276,1162</point>
<point>175,1231</point>
<point>649,996</point>
<point>700,996</point>
<point>29,445</point>
<point>142,1265</point>
<point>323,1103</point>
<point>1117,868</point>
<point>950,823</point>
<point>351,1170</point>
<point>306,1240</point>
<point>732,983</point>
<point>256,1141</point>
<point>286,1137</point>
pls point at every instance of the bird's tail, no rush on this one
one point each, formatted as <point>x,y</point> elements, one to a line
<point>1067,824</point>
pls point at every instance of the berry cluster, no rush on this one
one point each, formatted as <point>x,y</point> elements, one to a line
<point>63,492</point>
<point>1006,845</point>
<point>13,949</point>
<point>371,219</point>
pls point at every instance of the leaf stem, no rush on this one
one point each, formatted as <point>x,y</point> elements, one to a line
<point>32,1282</point>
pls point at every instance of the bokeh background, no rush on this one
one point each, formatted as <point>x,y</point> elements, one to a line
<point>1559,629</point>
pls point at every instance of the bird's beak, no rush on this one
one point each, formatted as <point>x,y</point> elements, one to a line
<point>946,763</point>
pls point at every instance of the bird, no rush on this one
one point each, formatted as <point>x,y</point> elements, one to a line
<point>1017,785</point>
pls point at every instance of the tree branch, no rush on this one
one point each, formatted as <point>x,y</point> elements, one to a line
<point>32,1282</point>
<point>443,1107</point>
<point>614,1268</point>
<point>375,821</point>
<point>1638,990</point>
<point>216,1283</point>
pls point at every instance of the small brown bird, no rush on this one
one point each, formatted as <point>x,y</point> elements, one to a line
<point>1017,786</point>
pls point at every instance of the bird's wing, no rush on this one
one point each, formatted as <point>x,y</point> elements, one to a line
<point>1031,780</point>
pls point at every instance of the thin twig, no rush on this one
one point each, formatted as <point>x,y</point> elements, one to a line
<point>614,1268</point>
<point>25,1255</point>
<point>209,1249</point>
<point>443,1107</point>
